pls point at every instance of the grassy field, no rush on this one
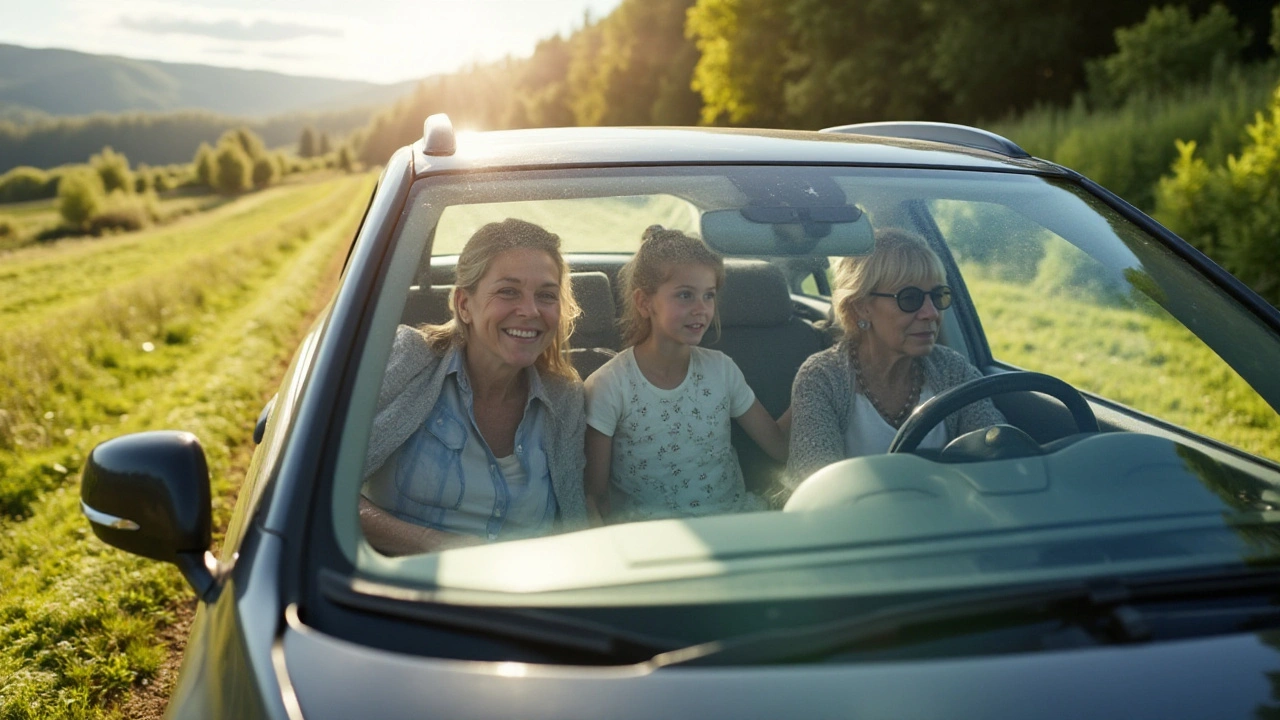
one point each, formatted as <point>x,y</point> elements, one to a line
<point>31,219</point>
<point>184,326</point>
<point>1145,361</point>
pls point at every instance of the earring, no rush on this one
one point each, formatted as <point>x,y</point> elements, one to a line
<point>863,324</point>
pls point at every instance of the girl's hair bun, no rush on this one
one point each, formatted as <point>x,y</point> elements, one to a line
<point>651,232</point>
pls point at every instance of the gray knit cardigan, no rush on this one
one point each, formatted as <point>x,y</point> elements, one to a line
<point>414,378</point>
<point>823,392</point>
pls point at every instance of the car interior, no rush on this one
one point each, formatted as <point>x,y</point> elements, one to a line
<point>775,312</point>
<point>768,326</point>
<point>762,328</point>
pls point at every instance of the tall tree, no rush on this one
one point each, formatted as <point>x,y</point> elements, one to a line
<point>743,47</point>
<point>642,67</point>
<point>307,147</point>
<point>541,95</point>
<point>858,61</point>
<point>206,163</point>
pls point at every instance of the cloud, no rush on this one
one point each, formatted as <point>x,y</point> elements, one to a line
<point>256,31</point>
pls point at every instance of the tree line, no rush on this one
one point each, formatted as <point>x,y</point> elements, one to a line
<point>816,63</point>
<point>154,139</point>
<point>107,194</point>
<point>766,63</point>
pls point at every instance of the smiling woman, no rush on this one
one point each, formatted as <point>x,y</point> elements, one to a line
<point>487,394</point>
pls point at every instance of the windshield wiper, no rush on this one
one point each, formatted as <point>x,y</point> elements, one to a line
<point>553,631</point>
<point>1110,601</point>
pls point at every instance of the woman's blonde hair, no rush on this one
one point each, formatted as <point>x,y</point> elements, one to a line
<point>477,256</point>
<point>899,258</point>
<point>660,251</point>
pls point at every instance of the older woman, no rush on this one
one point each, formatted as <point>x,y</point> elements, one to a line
<point>479,430</point>
<point>850,400</point>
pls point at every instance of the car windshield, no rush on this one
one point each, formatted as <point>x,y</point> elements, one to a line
<point>1043,276</point>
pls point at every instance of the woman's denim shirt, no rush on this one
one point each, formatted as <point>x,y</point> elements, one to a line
<point>447,478</point>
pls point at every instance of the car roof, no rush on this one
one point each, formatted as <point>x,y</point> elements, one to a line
<point>614,146</point>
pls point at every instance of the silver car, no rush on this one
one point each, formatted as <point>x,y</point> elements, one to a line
<point>1116,558</point>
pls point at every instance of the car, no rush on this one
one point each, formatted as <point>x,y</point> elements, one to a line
<point>1116,558</point>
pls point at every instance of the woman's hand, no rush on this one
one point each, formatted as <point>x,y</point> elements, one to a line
<point>390,535</point>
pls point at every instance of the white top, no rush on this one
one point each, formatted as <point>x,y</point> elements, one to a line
<point>870,434</point>
<point>671,451</point>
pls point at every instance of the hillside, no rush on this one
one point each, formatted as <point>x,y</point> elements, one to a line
<point>66,82</point>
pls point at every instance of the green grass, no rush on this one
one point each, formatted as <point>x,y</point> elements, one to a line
<point>219,315</point>
<point>40,279</point>
<point>31,219</point>
<point>1148,362</point>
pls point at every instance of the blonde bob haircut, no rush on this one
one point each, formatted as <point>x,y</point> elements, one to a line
<point>661,251</point>
<point>478,254</point>
<point>900,258</point>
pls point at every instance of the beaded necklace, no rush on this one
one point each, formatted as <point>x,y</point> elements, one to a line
<point>917,383</point>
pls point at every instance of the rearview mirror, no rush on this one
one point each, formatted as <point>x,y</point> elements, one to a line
<point>838,230</point>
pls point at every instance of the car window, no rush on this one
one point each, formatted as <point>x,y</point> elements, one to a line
<point>1046,305</point>
<point>1049,277</point>
<point>604,224</point>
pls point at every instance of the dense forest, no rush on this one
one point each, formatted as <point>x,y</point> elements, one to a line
<point>815,63</point>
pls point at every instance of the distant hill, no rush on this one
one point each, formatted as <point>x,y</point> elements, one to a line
<point>66,82</point>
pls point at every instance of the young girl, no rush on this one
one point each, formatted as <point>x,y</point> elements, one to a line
<point>658,413</point>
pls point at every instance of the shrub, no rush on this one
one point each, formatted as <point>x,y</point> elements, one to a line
<point>1166,51</point>
<point>113,167</point>
<point>1066,271</point>
<point>80,196</point>
<point>123,212</point>
<point>346,159</point>
<point>248,141</point>
<point>234,169</point>
<point>8,229</point>
<point>1232,211</point>
<point>143,180</point>
<point>265,171</point>
<point>1128,148</point>
<point>26,183</point>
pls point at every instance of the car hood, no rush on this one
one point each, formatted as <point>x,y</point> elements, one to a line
<point>1219,677</point>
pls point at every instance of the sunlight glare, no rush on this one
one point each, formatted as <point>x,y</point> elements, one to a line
<point>512,669</point>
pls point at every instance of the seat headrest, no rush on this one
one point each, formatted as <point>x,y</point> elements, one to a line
<point>755,294</point>
<point>594,294</point>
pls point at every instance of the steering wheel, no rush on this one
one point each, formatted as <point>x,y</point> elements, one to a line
<point>943,404</point>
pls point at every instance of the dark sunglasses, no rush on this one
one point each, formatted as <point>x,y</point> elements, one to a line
<point>911,299</point>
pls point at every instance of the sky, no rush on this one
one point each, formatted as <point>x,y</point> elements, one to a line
<point>379,41</point>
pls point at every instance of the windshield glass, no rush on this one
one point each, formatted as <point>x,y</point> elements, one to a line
<point>730,442</point>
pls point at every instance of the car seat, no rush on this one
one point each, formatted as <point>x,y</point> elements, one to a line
<point>760,331</point>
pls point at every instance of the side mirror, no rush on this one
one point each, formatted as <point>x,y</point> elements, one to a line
<point>148,494</point>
